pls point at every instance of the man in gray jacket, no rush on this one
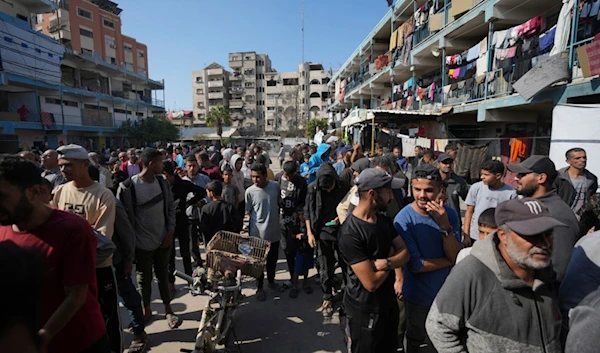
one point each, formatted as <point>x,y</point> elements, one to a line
<point>535,177</point>
<point>501,297</point>
<point>148,199</point>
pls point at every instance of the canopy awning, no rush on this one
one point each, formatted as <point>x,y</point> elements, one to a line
<point>358,116</point>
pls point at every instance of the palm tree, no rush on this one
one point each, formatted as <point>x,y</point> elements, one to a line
<point>218,117</point>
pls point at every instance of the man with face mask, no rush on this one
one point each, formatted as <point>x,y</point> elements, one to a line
<point>432,235</point>
<point>535,177</point>
<point>373,251</point>
<point>507,277</point>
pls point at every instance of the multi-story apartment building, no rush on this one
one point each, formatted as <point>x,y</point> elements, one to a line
<point>450,66</point>
<point>247,90</point>
<point>294,96</point>
<point>64,81</point>
<point>211,89</point>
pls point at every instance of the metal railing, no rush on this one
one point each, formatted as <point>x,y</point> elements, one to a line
<point>496,84</point>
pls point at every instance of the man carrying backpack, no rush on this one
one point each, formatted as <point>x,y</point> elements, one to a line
<point>148,199</point>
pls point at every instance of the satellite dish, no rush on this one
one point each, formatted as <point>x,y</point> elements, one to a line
<point>435,51</point>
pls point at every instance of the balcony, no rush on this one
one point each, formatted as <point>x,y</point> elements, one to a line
<point>236,90</point>
<point>235,62</point>
<point>91,117</point>
<point>215,84</point>
<point>249,72</point>
<point>215,95</point>
<point>495,85</point>
<point>236,104</point>
<point>214,72</point>
<point>235,76</point>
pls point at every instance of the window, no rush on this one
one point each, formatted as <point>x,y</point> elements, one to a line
<point>21,17</point>
<point>127,47</point>
<point>122,111</point>
<point>39,19</point>
<point>140,114</point>
<point>57,101</point>
<point>140,54</point>
<point>95,107</point>
<point>199,91</point>
<point>109,24</point>
<point>111,60</point>
<point>270,108</point>
<point>110,42</point>
<point>200,116</point>
<point>86,33</point>
<point>199,80</point>
<point>84,13</point>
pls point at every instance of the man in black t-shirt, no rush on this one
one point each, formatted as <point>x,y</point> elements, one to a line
<point>372,249</point>
<point>218,214</point>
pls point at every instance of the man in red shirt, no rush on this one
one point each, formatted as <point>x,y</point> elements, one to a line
<point>71,317</point>
<point>213,171</point>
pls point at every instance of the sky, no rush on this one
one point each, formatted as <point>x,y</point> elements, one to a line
<point>187,35</point>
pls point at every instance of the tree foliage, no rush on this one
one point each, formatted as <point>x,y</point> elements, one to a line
<point>149,130</point>
<point>312,125</point>
<point>218,117</point>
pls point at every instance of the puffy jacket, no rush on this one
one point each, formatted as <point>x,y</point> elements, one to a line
<point>566,190</point>
<point>484,307</point>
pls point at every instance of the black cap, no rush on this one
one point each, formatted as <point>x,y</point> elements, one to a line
<point>443,157</point>
<point>372,178</point>
<point>535,164</point>
<point>526,216</point>
<point>426,171</point>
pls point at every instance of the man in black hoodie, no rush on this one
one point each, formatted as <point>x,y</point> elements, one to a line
<point>535,177</point>
<point>575,184</point>
<point>181,189</point>
<point>324,194</point>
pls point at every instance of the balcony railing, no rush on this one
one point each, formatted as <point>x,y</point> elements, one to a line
<point>215,72</point>
<point>236,104</point>
<point>215,95</point>
<point>496,85</point>
<point>215,84</point>
<point>90,117</point>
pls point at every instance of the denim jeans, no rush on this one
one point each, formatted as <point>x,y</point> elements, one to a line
<point>131,300</point>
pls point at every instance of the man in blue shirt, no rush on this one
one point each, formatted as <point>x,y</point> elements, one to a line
<point>432,235</point>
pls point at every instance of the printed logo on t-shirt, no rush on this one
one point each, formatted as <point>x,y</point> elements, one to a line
<point>76,209</point>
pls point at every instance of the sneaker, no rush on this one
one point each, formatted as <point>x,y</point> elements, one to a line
<point>327,308</point>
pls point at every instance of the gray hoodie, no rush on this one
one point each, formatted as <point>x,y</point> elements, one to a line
<point>484,307</point>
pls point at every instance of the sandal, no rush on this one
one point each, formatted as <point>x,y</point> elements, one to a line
<point>294,292</point>
<point>307,289</point>
<point>138,345</point>
<point>173,321</point>
<point>261,296</point>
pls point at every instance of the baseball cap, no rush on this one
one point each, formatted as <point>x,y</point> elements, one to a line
<point>72,151</point>
<point>535,164</point>
<point>372,178</point>
<point>426,171</point>
<point>443,157</point>
<point>526,216</point>
<point>345,150</point>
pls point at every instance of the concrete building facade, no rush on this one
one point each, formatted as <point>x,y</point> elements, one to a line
<point>211,89</point>
<point>54,92</point>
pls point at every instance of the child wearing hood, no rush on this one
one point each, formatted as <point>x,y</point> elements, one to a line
<point>317,159</point>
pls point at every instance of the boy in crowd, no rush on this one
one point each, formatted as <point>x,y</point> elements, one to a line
<point>293,242</point>
<point>231,193</point>
<point>486,225</point>
<point>218,214</point>
<point>304,166</point>
<point>487,193</point>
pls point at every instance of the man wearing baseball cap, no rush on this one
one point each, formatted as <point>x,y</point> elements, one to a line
<point>456,187</point>
<point>431,232</point>
<point>535,177</point>
<point>83,196</point>
<point>502,296</point>
<point>367,238</point>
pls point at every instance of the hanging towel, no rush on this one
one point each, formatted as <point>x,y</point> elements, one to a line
<point>483,46</point>
<point>440,145</point>
<point>394,40</point>
<point>408,147</point>
<point>481,65</point>
<point>413,132</point>
<point>547,39</point>
<point>499,38</point>
<point>432,92</point>
<point>451,73</point>
<point>518,148</point>
<point>456,73</point>
<point>473,53</point>
<point>469,161</point>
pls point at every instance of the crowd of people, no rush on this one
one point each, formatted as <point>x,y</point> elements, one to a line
<point>519,272</point>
